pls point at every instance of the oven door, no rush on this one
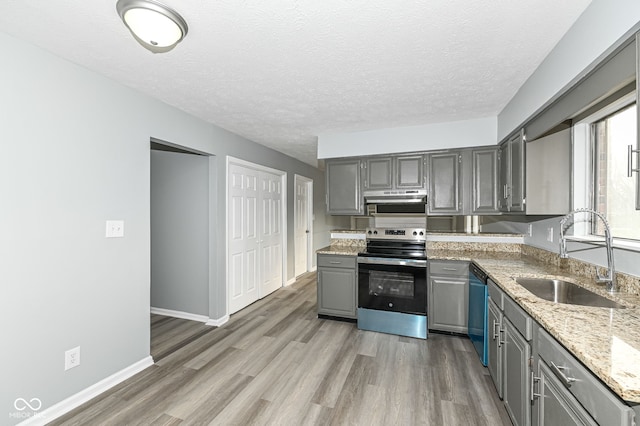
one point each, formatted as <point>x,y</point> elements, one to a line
<point>398,285</point>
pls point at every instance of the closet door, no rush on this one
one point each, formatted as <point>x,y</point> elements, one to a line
<point>255,235</point>
<point>244,237</point>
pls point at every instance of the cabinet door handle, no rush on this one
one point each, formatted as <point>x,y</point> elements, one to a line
<point>501,340</point>
<point>449,269</point>
<point>495,333</point>
<point>335,263</point>
<point>558,370</point>
<point>630,152</point>
<point>534,379</point>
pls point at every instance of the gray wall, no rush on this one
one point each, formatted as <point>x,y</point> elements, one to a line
<point>76,153</point>
<point>180,232</point>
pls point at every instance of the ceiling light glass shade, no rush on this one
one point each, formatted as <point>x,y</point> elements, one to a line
<point>157,27</point>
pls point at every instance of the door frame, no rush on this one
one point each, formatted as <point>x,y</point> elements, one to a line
<point>283,183</point>
<point>309,183</point>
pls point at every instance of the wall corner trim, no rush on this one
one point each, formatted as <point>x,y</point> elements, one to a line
<point>85,395</point>
<point>217,322</point>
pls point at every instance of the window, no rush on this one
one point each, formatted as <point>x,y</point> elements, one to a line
<point>614,194</point>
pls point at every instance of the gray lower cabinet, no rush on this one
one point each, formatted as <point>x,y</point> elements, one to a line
<point>555,405</point>
<point>515,367</point>
<point>448,296</point>
<point>343,187</point>
<point>337,286</point>
<point>567,393</point>
<point>510,338</point>
<point>494,328</point>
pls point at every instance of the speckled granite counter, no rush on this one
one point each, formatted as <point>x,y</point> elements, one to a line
<point>607,341</point>
<point>341,250</point>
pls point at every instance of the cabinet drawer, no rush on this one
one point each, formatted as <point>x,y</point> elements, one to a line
<point>602,404</point>
<point>518,317</point>
<point>336,261</point>
<point>454,268</point>
<point>495,294</point>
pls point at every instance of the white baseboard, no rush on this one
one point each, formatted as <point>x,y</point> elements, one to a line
<point>85,395</point>
<point>291,281</point>
<point>313,269</point>
<point>179,314</point>
<point>217,322</point>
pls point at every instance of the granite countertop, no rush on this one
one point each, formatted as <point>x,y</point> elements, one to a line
<point>606,341</point>
<point>341,250</point>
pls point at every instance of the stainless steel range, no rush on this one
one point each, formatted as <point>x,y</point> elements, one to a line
<point>392,282</point>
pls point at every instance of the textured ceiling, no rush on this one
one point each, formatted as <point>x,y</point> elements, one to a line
<point>282,72</point>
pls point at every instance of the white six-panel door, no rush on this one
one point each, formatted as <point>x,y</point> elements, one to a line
<point>255,235</point>
<point>301,224</point>
<point>271,233</point>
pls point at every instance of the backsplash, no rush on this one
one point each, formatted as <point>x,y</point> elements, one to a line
<point>626,283</point>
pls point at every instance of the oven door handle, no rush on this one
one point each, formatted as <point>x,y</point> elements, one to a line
<point>395,262</point>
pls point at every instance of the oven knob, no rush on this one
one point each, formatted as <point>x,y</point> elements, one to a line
<point>369,232</point>
<point>415,233</point>
<point>421,233</point>
<point>391,305</point>
<point>375,232</point>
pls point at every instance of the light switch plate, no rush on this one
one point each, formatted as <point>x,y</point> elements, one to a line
<point>115,229</point>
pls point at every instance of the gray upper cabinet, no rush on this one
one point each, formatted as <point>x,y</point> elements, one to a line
<point>444,183</point>
<point>512,174</point>
<point>484,191</point>
<point>409,171</point>
<point>394,172</point>
<point>343,193</point>
<point>378,173</point>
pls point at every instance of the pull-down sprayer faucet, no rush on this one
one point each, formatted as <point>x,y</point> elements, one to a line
<point>610,277</point>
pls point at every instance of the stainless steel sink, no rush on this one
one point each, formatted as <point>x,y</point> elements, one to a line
<point>559,291</point>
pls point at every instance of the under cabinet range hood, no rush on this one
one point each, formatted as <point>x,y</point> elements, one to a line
<point>396,196</point>
<point>396,202</point>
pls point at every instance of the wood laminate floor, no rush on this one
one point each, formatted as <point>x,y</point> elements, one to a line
<point>276,363</point>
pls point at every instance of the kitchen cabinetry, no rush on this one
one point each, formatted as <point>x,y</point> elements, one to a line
<point>510,354</point>
<point>343,187</point>
<point>378,172</point>
<point>409,171</point>
<point>567,393</point>
<point>337,285</point>
<point>445,183</point>
<point>512,172</point>
<point>463,182</point>
<point>484,190</point>
<point>394,172</point>
<point>448,296</point>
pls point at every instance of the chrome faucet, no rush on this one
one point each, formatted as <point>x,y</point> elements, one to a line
<point>610,277</point>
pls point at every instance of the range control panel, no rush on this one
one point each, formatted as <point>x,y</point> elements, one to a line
<point>407,234</point>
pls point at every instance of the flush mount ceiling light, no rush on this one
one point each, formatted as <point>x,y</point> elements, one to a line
<point>155,26</point>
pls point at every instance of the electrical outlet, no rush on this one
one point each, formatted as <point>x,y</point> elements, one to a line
<point>115,229</point>
<point>72,358</point>
<point>550,235</point>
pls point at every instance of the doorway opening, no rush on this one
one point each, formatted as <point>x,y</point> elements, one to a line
<point>180,231</point>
